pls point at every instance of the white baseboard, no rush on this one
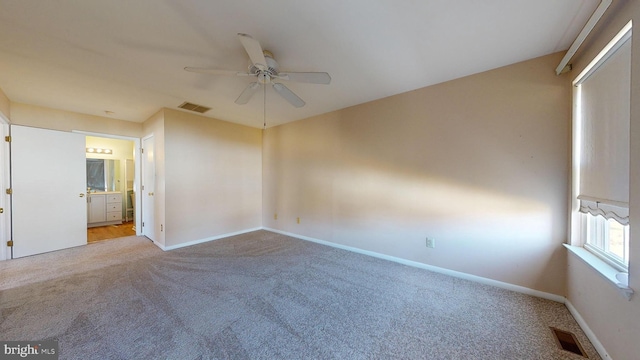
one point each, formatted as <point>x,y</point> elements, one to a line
<point>200,241</point>
<point>521,289</point>
<point>457,274</point>
<point>587,331</point>
<point>482,280</point>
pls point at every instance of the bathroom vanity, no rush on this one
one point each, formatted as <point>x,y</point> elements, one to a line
<point>104,208</point>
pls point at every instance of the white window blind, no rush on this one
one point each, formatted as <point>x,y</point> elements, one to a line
<point>605,108</point>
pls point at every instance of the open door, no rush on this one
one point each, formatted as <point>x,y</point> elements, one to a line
<point>49,208</point>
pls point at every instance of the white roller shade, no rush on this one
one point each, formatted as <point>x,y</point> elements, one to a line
<point>619,212</point>
<point>605,106</point>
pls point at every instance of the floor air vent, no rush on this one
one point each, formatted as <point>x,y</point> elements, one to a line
<point>194,107</point>
<point>567,341</point>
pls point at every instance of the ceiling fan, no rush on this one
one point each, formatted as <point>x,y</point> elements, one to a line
<point>264,67</point>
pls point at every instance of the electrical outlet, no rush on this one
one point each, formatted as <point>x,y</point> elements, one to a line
<point>275,216</point>
<point>298,220</point>
<point>431,243</point>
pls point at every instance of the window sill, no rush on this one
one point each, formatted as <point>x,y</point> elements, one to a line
<point>619,279</point>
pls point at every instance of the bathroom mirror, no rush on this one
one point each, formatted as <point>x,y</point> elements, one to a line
<point>103,175</point>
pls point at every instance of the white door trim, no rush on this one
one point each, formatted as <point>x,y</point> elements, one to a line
<point>5,183</point>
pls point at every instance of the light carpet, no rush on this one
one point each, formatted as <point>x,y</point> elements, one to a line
<point>263,295</point>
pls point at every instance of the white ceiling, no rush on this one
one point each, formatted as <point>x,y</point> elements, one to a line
<point>127,56</point>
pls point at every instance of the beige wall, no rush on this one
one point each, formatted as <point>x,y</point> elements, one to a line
<point>122,149</point>
<point>213,177</point>
<point>614,320</point>
<point>46,118</point>
<point>5,104</point>
<point>479,163</point>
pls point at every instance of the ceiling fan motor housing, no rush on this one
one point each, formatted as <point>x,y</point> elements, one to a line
<point>264,77</point>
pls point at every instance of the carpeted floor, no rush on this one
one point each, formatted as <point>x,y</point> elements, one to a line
<point>265,296</point>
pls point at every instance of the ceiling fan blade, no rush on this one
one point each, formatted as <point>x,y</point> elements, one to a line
<point>306,77</point>
<point>247,93</point>
<point>215,71</point>
<point>288,95</point>
<point>253,48</point>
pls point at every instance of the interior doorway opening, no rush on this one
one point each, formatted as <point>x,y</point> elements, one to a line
<point>111,178</point>
<point>110,232</point>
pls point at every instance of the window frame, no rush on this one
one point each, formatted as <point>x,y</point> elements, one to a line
<point>595,234</point>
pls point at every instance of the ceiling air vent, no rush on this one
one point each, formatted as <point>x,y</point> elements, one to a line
<point>194,107</point>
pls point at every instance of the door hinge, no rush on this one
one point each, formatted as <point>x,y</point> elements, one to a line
<point>143,224</point>
<point>142,187</point>
<point>9,191</point>
<point>7,138</point>
<point>142,150</point>
<point>10,243</point>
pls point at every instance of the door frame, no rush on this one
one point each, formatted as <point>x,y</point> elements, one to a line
<point>5,183</point>
<point>137,162</point>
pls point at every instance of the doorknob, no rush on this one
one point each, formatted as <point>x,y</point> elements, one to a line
<point>150,194</point>
<point>81,195</point>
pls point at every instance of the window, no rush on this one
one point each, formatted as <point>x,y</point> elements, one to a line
<point>96,175</point>
<point>608,239</point>
<point>602,112</point>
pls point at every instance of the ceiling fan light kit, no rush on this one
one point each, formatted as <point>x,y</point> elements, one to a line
<point>264,67</point>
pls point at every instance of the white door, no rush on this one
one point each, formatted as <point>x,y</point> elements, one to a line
<point>148,188</point>
<point>48,172</point>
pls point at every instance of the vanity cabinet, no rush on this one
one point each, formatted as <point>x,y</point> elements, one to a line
<point>104,208</point>
<point>96,208</point>
<point>114,207</point>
